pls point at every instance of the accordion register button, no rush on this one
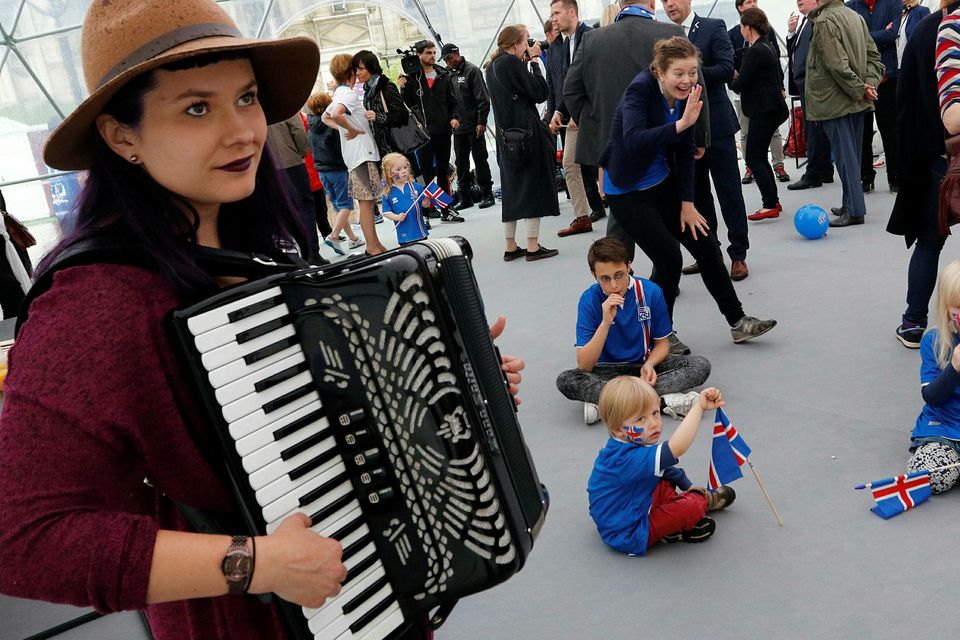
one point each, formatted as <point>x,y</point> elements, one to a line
<point>351,417</point>
<point>381,495</point>
<point>366,458</point>
<point>358,437</point>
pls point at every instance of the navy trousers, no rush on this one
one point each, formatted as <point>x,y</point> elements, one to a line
<point>819,162</point>
<point>846,138</point>
<point>720,161</point>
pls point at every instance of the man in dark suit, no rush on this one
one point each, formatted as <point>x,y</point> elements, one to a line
<point>608,60</point>
<point>819,165</point>
<point>581,181</point>
<point>709,35</point>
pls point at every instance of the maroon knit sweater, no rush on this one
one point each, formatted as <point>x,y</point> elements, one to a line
<point>96,403</point>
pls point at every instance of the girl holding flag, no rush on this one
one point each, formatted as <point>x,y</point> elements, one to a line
<point>401,199</point>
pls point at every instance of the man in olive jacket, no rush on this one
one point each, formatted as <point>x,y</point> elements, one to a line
<point>843,71</point>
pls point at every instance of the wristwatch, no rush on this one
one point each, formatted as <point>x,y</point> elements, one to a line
<point>237,566</point>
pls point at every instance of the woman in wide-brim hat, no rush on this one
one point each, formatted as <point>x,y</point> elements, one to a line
<point>100,435</point>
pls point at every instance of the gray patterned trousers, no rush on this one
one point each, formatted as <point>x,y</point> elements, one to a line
<point>675,374</point>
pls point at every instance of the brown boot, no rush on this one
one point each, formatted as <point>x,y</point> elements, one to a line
<point>738,270</point>
<point>720,499</point>
<point>580,224</point>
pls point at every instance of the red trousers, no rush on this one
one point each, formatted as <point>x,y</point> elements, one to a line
<point>672,512</point>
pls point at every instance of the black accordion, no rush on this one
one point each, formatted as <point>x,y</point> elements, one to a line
<point>368,394</point>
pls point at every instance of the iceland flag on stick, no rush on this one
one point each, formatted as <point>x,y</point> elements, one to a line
<point>728,453</point>
<point>899,493</point>
<point>439,197</point>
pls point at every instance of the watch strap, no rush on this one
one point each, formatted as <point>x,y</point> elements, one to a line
<point>237,565</point>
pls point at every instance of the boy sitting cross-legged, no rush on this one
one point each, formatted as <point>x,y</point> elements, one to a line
<point>633,488</point>
<point>623,328</point>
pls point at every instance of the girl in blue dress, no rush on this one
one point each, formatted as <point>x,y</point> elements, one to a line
<point>401,200</point>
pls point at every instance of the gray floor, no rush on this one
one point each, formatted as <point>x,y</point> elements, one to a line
<point>826,401</point>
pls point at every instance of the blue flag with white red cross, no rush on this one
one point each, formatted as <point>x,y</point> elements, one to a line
<point>899,493</point>
<point>727,454</point>
<point>439,197</point>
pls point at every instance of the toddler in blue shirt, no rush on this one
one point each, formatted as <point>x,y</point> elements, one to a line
<point>633,489</point>
<point>401,200</point>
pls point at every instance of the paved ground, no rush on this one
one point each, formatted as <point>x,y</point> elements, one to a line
<point>826,401</point>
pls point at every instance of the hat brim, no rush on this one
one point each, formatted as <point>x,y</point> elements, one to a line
<point>286,71</point>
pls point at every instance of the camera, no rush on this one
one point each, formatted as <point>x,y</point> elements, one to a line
<point>409,60</point>
<point>544,45</point>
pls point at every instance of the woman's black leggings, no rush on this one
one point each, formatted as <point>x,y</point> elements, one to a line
<point>652,218</point>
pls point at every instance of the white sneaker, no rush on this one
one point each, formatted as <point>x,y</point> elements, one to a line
<point>353,244</point>
<point>678,405</point>
<point>591,413</point>
<point>334,244</point>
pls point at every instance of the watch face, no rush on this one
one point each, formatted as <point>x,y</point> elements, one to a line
<point>236,566</point>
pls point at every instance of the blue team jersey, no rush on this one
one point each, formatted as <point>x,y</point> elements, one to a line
<point>406,200</point>
<point>621,488</point>
<point>643,319</point>
<point>936,421</point>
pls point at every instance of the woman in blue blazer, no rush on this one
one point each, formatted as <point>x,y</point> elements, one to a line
<point>649,180</point>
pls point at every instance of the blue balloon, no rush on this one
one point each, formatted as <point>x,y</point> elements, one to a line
<point>811,221</point>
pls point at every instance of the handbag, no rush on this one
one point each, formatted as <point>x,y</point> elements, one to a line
<point>517,145</point>
<point>409,137</point>
<point>949,195</point>
<point>18,232</point>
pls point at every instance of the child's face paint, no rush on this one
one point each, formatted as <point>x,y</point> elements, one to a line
<point>644,428</point>
<point>400,174</point>
<point>954,317</point>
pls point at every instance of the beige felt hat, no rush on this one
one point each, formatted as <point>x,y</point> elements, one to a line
<point>124,38</point>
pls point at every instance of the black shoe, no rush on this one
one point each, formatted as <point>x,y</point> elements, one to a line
<point>827,179</point>
<point>541,253</point>
<point>747,177</point>
<point>487,202</point>
<point>448,216</point>
<point>510,256</point>
<point>867,185</point>
<point>465,203</point>
<point>894,187</point>
<point>597,215</point>
<point>910,336</point>
<point>806,181</point>
<point>846,220</point>
<point>699,532</point>
<point>690,269</point>
<point>837,211</point>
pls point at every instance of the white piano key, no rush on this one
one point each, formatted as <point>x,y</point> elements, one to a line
<point>330,620</point>
<point>265,435</point>
<point>245,385</point>
<point>313,507</point>
<point>284,486</point>
<point>257,420</point>
<point>385,627</point>
<point>348,619</point>
<point>218,317</point>
<point>228,333</point>
<point>330,526</point>
<point>290,502</point>
<point>269,455</point>
<point>226,364</point>
<point>256,401</point>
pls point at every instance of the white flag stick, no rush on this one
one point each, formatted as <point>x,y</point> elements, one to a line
<point>869,485</point>
<point>766,495</point>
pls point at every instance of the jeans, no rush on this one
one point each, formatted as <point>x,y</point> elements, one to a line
<point>758,141</point>
<point>846,135</point>
<point>652,218</point>
<point>924,263</point>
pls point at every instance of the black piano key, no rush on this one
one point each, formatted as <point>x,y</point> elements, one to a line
<point>323,489</point>
<point>254,309</point>
<point>269,350</point>
<point>346,530</point>
<point>362,597</point>
<point>262,330</point>
<point>356,547</point>
<point>306,443</point>
<point>313,463</point>
<point>369,616</point>
<point>296,425</point>
<point>287,398</point>
<point>332,508</point>
<point>280,376</point>
<point>361,566</point>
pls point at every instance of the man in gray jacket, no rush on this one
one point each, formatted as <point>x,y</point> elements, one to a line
<point>843,71</point>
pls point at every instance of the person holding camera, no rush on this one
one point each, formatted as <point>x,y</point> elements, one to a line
<point>429,94</point>
<point>471,92</point>
<point>524,146</point>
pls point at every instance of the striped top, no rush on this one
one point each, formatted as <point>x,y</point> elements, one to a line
<point>948,60</point>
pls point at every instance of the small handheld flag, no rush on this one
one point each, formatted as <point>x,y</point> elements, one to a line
<point>728,453</point>
<point>899,493</point>
<point>439,197</point>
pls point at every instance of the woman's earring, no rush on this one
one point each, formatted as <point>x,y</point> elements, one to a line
<point>134,159</point>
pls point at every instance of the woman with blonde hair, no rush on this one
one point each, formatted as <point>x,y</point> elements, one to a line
<point>524,146</point>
